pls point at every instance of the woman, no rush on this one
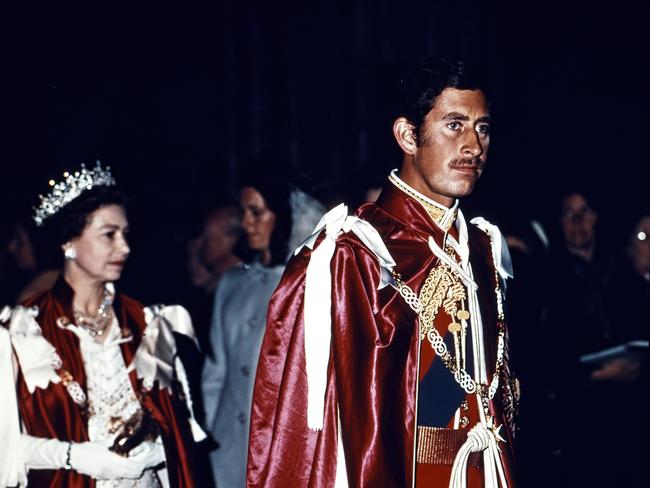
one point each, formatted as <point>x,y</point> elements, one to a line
<point>271,214</point>
<point>95,372</point>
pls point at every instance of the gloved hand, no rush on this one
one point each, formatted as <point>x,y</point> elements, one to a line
<point>89,458</point>
<point>94,459</point>
<point>148,454</point>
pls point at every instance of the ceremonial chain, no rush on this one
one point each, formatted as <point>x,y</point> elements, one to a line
<point>441,288</point>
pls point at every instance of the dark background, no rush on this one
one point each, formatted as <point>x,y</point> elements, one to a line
<point>177,99</point>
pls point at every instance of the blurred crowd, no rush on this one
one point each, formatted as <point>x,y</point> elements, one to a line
<point>574,294</point>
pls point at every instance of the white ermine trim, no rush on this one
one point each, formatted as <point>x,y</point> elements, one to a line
<point>38,359</point>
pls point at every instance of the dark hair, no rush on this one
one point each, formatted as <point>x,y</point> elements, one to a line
<point>585,192</point>
<point>420,88</point>
<point>277,194</point>
<point>71,220</point>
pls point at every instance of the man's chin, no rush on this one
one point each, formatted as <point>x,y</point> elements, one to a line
<point>462,190</point>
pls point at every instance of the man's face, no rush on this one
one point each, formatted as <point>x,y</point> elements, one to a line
<point>452,146</point>
<point>578,222</point>
<point>220,231</point>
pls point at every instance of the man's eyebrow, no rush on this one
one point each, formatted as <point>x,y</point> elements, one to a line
<point>455,116</point>
<point>483,120</point>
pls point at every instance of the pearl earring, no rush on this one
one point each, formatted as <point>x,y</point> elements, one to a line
<point>70,254</point>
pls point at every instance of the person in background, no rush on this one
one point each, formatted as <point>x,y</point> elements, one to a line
<point>578,220</point>
<point>618,387</point>
<point>273,216</point>
<point>25,270</point>
<point>95,390</point>
<point>210,253</point>
<point>214,246</point>
<point>566,408</point>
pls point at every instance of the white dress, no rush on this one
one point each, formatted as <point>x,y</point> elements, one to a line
<point>111,398</point>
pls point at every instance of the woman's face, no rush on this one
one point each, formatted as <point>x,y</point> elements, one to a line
<point>258,219</point>
<point>101,248</point>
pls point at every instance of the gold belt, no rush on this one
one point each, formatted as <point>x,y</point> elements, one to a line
<point>440,446</point>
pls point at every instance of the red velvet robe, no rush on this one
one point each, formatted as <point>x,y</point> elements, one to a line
<point>52,413</point>
<point>372,372</point>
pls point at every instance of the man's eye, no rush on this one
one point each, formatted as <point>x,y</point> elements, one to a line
<point>483,129</point>
<point>453,125</point>
<point>110,234</point>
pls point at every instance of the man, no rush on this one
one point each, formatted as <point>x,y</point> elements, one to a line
<point>355,384</point>
<point>210,253</point>
<point>578,221</point>
<point>215,245</point>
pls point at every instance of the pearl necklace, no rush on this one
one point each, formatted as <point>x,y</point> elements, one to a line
<point>97,325</point>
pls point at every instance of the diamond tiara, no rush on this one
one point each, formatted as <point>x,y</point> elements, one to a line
<point>70,188</point>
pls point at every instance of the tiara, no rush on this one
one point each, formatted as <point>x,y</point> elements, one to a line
<point>70,188</point>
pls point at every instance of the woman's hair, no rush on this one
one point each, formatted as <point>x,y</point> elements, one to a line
<point>71,220</point>
<point>276,192</point>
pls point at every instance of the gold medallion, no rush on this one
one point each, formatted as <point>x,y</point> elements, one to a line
<point>462,315</point>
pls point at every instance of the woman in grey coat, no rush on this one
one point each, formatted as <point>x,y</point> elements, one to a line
<point>270,211</point>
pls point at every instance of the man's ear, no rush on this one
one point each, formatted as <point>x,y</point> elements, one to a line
<point>405,136</point>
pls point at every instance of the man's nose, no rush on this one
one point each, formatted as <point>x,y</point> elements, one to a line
<point>472,145</point>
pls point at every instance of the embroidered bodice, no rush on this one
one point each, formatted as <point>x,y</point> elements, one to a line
<point>111,398</point>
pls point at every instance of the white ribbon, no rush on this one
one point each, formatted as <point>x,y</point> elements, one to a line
<point>449,261</point>
<point>12,467</point>
<point>318,331</point>
<point>156,357</point>
<point>37,357</point>
<point>318,299</point>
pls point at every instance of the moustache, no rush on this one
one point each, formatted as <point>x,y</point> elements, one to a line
<point>472,162</point>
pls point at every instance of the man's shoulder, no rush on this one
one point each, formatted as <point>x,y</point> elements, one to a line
<point>349,244</point>
<point>384,223</point>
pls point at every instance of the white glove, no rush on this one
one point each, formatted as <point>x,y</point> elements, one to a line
<point>94,459</point>
<point>89,458</point>
<point>41,453</point>
<point>148,454</point>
